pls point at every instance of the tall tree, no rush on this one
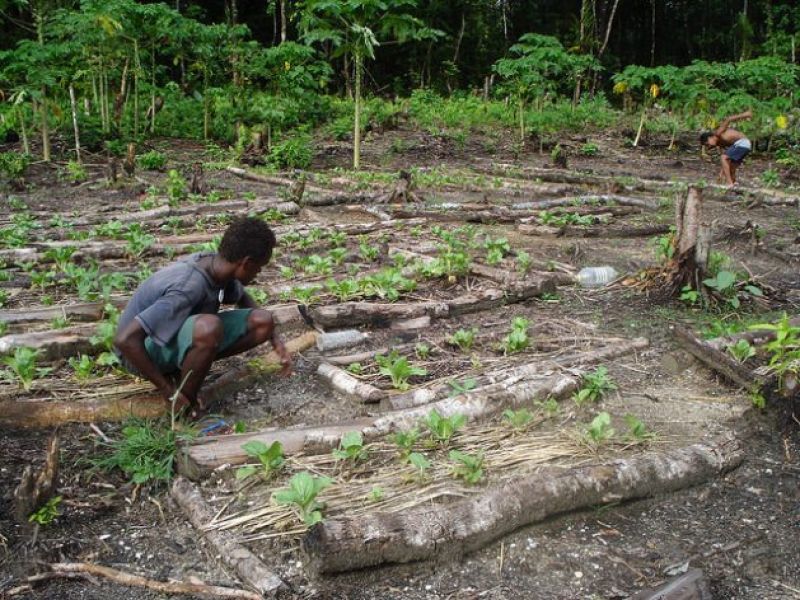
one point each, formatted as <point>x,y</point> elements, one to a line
<point>355,28</point>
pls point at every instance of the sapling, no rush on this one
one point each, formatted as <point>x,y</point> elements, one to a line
<point>420,464</point>
<point>83,366</point>
<point>461,387</point>
<point>741,350</point>
<point>46,513</point>
<point>302,495</point>
<point>270,457</point>
<point>637,430</point>
<point>376,494</point>
<point>422,350</point>
<point>517,339</point>
<point>355,368</point>
<point>468,467</point>
<point>549,406</point>
<point>524,262</point>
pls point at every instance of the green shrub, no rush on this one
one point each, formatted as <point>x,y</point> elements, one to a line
<point>152,161</point>
<point>293,153</point>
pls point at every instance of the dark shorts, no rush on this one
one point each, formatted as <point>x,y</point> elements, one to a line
<point>737,153</point>
<point>169,358</point>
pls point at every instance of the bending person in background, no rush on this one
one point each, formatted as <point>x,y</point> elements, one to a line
<point>171,330</point>
<point>734,143</point>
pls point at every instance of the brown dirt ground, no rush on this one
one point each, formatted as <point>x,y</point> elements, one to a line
<point>742,529</point>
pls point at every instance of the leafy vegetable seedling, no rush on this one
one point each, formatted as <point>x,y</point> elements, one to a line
<point>351,447</point>
<point>637,430</point>
<point>517,339</point>
<point>405,441</point>
<point>595,386</point>
<point>442,428</point>
<point>518,419</point>
<point>302,495</point>
<point>270,457</point>
<point>741,350</point>
<point>420,464</point>
<point>463,339</point>
<point>599,430</point>
<point>22,367</point>
<point>398,369</point>
<point>469,467</point>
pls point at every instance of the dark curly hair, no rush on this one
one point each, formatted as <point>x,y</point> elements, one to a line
<point>704,136</point>
<point>247,236</point>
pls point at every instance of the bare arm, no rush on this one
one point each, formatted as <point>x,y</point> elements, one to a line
<point>130,342</point>
<point>728,120</point>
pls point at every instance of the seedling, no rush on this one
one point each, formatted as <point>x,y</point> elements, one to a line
<point>405,441</point>
<point>524,262</point>
<point>260,296</point>
<point>420,464</point>
<point>549,406</point>
<point>351,447</point>
<point>337,238</point>
<point>83,366</point>
<point>463,339</point>
<point>689,295</point>
<point>22,367</point>
<point>595,386</point>
<point>461,387</point>
<point>468,467</point>
<point>599,430</point>
<point>368,252</point>
<point>517,339</point>
<point>344,290</point>
<point>270,457</point>
<point>176,187</point>
<point>286,272</point>
<point>305,295</point>
<point>637,430</point>
<point>590,149</point>
<point>139,241</point>
<point>337,255</point>
<point>518,419</point>
<point>47,513</point>
<point>302,496</point>
<point>422,350</point>
<point>60,256</point>
<point>442,429</point>
<point>376,494</point>
<point>398,369</point>
<point>355,368</point>
<point>496,249</point>
<point>318,265</point>
<point>741,350</point>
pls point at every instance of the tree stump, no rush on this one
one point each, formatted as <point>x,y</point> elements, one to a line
<point>198,184</point>
<point>403,191</point>
<point>691,243</point>
<point>129,164</point>
<point>298,188</point>
<point>35,489</point>
<point>112,170</point>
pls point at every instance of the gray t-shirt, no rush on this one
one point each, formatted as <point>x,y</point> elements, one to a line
<point>173,294</point>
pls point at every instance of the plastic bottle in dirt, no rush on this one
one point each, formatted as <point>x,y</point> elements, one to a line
<point>590,277</point>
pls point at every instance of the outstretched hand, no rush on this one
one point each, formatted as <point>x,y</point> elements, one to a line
<point>286,359</point>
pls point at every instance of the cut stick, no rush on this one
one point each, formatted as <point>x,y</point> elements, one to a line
<point>609,232</point>
<point>88,311</point>
<point>344,383</point>
<point>164,587</point>
<point>247,565</point>
<point>451,530</point>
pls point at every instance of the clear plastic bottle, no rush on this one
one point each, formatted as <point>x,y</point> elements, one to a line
<point>590,277</point>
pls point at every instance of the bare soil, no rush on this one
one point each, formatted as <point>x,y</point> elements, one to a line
<point>742,529</point>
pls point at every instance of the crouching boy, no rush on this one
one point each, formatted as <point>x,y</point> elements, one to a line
<point>171,330</point>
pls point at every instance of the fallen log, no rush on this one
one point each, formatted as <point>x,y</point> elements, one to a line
<point>164,587</point>
<point>604,231</point>
<point>247,565</point>
<point>51,344</point>
<point>344,383</point>
<point>568,204</point>
<point>722,362</point>
<point>329,197</point>
<point>378,314</point>
<point>45,413</point>
<point>450,530</point>
<point>89,311</point>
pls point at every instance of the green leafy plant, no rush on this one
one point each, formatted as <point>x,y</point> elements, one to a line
<point>420,464</point>
<point>367,251</point>
<point>463,339</point>
<point>405,441</point>
<point>599,430</point>
<point>83,366</point>
<point>152,160</point>
<point>590,149</point>
<point>549,406</point>
<point>22,367</point>
<point>771,178</point>
<point>442,428</point>
<point>146,451</point>
<point>338,255</point>
<point>139,241</point>
<point>468,467</point>
<point>293,153</point>
<point>355,368</point>
<point>46,513</point>
<point>344,289</point>
<point>305,295</point>
<point>61,256</point>
<point>595,386</point>
<point>176,187</point>
<point>461,387</point>
<point>376,494</point>
<point>496,249</point>
<point>741,350</point>
<point>302,496</point>
<point>517,340</point>
<point>270,457</point>
<point>422,350</point>
<point>398,369</point>
<point>689,296</point>
<point>524,262</point>
<point>637,430</point>
<point>665,246</point>
<point>75,172</point>
<point>351,447</point>
<point>518,419</point>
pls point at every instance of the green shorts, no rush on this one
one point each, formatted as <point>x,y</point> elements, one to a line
<point>169,358</point>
